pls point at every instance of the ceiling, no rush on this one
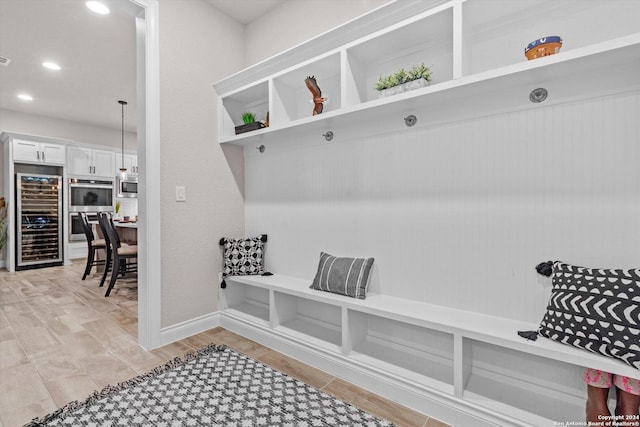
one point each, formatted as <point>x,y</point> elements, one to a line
<point>245,11</point>
<point>96,54</point>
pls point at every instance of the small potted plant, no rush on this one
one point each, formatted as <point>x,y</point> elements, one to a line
<point>118,207</point>
<point>402,80</point>
<point>249,120</point>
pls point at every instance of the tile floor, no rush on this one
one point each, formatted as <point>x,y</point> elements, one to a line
<point>61,339</point>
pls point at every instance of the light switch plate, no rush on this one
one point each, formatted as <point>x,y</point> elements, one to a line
<point>181,193</point>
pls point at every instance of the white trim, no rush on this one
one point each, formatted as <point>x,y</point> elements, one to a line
<point>189,328</point>
<point>149,227</point>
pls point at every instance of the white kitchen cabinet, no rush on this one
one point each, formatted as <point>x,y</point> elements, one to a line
<point>90,162</point>
<point>130,163</point>
<point>38,152</point>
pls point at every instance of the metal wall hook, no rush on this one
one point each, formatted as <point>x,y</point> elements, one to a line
<point>328,136</point>
<point>410,120</point>
<point>538,95</point>
<point>261,148</point>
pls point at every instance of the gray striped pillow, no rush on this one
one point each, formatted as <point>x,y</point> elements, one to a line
<point>345,276</point>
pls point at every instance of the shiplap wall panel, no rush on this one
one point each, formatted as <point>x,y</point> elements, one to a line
<point>459,214</point>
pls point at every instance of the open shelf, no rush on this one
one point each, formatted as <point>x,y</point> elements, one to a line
<point>425,40</point>
<point>314,322</point>
<point>496,32</point>
<point>565,76</point>
<point>416,354</point>
<point>292,100</point>
<point>475,49</point>
<point>538,388</point>
<point>253,99</point>
<point>248,302</point>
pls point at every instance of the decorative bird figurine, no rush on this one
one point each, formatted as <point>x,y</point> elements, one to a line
<point>312,85</point>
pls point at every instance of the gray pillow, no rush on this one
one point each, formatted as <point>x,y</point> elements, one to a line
<point>345,276</point>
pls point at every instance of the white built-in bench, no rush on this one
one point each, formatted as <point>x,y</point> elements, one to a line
<point>463,367</point>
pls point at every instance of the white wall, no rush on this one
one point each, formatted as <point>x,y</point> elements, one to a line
<point>13,121</point>
<point>294,22</point>
<point>459,214</point>
<point>198,46</point>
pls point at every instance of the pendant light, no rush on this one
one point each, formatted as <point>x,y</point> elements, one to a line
<point>123,170</point>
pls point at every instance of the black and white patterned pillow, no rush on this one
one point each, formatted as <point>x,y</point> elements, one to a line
<point>595,309</point>
<point>345,276</point>
<point>243,257</point>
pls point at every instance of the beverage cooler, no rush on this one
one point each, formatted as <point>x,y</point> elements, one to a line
<point>39,220</point>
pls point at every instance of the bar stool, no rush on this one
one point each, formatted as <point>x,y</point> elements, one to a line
<point>92,245</point>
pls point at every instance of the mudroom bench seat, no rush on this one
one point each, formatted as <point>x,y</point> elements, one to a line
<point>463,367</point>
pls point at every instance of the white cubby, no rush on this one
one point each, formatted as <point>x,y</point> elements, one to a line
<point>292,100</point>
<point>253,99</point>
<point>248,302</point>
<point>496,32</point>
<point>428,39</point>
<point>416,354</point>
<point>316,322</point>
<point>539,389</point>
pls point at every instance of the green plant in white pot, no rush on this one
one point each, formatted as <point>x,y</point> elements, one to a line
<point>118,208</point>
<point>402,81</point>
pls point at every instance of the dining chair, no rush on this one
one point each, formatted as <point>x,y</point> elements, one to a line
<point>93,244</point>
<point>123,259</point>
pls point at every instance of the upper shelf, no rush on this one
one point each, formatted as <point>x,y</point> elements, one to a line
<point>475,49</point>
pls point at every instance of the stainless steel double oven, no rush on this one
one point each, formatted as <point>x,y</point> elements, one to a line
<point>90,196</point>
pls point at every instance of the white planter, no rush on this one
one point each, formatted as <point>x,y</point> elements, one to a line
<point>405,87</point>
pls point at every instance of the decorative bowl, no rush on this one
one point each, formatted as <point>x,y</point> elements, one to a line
<point>544,46</point>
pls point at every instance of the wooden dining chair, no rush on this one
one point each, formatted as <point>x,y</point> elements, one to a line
<point>93,244</point>
<point>123,259</point>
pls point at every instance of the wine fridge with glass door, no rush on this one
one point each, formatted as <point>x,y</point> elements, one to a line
<point>39,220</point>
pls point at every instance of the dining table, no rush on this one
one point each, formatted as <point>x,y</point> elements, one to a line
<point>128,231</point>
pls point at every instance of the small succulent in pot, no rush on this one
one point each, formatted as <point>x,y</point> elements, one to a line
<point>401,76</point>
<point>248,118</point>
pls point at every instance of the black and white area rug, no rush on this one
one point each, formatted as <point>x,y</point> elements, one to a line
<point>215,386</point>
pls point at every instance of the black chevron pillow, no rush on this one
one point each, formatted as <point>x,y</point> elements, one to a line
<point>595,309</point>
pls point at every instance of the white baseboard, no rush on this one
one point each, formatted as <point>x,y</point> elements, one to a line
<point>188,328</point>
<point>1,263</point>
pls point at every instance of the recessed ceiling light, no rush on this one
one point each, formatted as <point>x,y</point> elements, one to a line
<point>51,66</point>
<point>25,97</point>
<point>97,7</point>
